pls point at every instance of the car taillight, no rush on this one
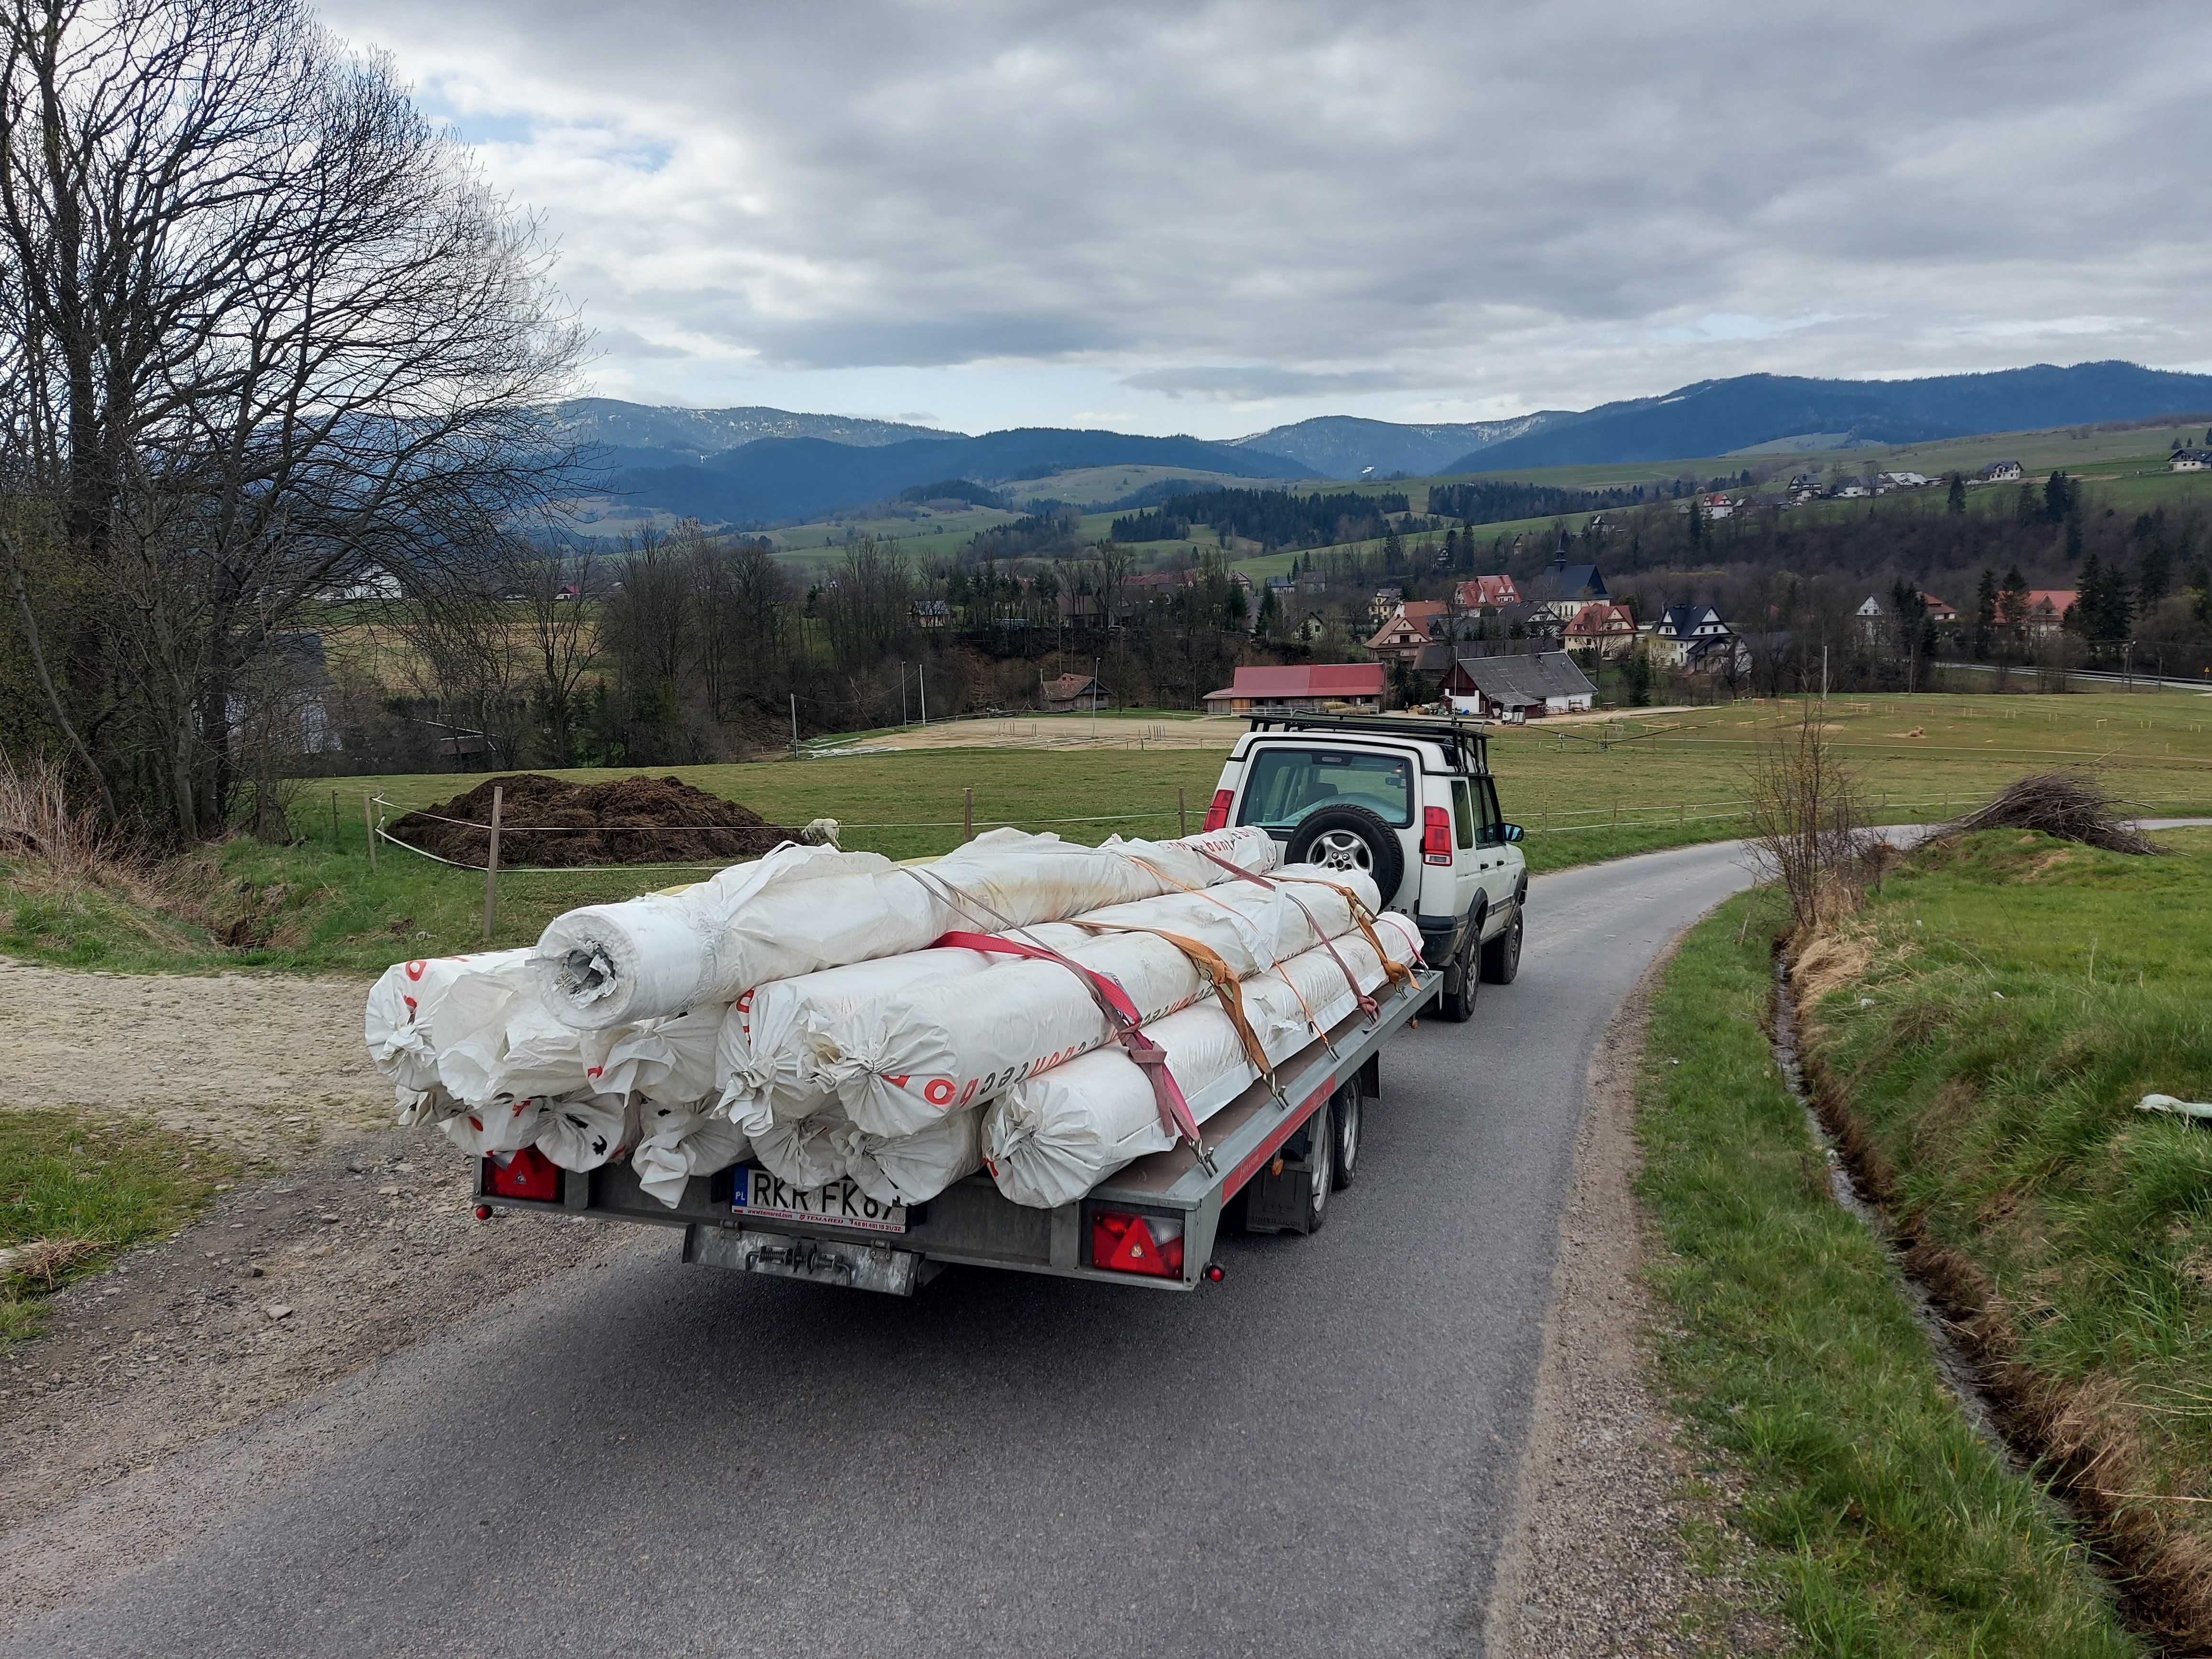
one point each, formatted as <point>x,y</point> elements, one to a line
<point>1137,1244</point>
<point>1217,816</point>
<point>527,1173</point>
<point>1435,837</point>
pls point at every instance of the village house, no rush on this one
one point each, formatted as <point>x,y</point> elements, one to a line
<point>2191,460</point>
<point>1941,614</point>
<point>2043,612</point>
<point>1300,688</point>
<point>1409,628</point>
<point>1905,480</point>
<point>932,613</point>
<point>1682,628</point>
<point>1486,594</point>
<point>1385,602</point>
<point>1871,617</point>
<point>1514,689</point>
<point>2001,472</point>
<point>1564,589</point>
<point>1606,629</point>
<point>1070,692</point>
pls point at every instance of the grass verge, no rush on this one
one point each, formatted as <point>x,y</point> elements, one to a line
<point>1883,1523</point>
<point>1983,1031</point>
<point>74,1193</point>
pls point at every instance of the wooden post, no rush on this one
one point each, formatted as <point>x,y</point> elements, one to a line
<point>1182,810</point>
<point>968,815</point>
<point>368,828</point>
<point>491,863</point>
<point>334,820</point>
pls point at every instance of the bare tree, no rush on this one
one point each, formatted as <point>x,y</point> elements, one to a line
<point>266,331</point>
<point>866,604</point>
<point>1807,821</point>
<point>560,630</point>
<point>744,601</point>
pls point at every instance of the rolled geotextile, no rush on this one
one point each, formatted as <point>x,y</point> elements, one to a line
<point>801,909</point>
<point>807,1151</point>
<point>763,1063</point>
<point>418,1009</point>
<point>899,1061</point>
<point>1053,1137</point>
<point>679,1144</point>
<point>913,1169</point>
<point>667,1062</point>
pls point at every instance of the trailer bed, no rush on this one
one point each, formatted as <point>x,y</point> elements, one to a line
<point>1257,1144</point>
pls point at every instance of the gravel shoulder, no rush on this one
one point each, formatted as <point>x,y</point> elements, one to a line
<point>1597,1564</point>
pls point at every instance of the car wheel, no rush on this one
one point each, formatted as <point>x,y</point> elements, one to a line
<point>1347,1114</point>
<point>1501,956</point>
<point>1351,838</point>
<point>1456,1002</point>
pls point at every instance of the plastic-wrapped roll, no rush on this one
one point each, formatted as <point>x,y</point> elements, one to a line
<point>913,1169</point>
<point>807,1151</point>
<point>418,1009</point>
<point>507,1126</point>
<point>804,908</point>
<point>767,1058</point>
<point>679,1144</point>
<point>1052,1138</point>
<point>900,1062</point>
<point>669,1062</point>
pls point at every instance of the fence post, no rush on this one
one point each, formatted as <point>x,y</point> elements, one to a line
<point>334,820</point>
<point>491,865</point>
<point>368,828</point>
<point>968,815</point>
<point>1182,811</point>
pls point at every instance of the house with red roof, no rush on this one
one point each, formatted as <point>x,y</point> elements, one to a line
<point>1486,594</point>
<point>1605,628</point>
<point>1300,688</point>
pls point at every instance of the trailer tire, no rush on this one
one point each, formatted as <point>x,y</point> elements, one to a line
<point>1347,1118</point>
<point>1321,1167</point>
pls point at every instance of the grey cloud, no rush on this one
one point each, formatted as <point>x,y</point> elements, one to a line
<point>627,343</point>
<point>1499,199</point>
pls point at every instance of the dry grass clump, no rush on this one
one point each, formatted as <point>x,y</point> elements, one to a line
<point>57,844</point>
<point>2067,805</point>
<point>44,1261</point>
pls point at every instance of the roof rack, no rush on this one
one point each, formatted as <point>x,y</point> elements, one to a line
<point>1468,739</point>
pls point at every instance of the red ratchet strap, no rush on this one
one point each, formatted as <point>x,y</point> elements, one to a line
<point>1366,1002</point>
<point>1121,1018</point>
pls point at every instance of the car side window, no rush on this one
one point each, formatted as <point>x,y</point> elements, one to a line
<point>1492,818</point>
<point>1463,810</point>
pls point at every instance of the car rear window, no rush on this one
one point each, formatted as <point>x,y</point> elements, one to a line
<point>1283,786</point>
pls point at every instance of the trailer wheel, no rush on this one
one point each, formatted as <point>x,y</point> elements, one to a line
<point>1347,1114</point>
<point>1321,1167</point>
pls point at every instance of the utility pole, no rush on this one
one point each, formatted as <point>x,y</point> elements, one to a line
<point>794,722</point>
<point>922,680</point>
<point>1094,700</point>
<point>901,694</point>
<point>1824,680</point>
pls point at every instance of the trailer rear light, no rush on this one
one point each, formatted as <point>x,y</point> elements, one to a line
<point>1149,1244</point>
<point>527,1173</point>
<point>1217,816</point>
<point>1435,836</point>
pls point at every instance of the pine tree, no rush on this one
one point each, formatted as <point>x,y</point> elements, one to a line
<point>2057,496</point>
<point>1956,500</point>
<point>1985,614</point>
<point>2074,532</point>
<point>2155,576</point>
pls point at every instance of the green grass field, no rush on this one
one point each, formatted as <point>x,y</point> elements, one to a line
<point>1582,792</point>
<point>1988,1022</point>
<point>1881,1521</point>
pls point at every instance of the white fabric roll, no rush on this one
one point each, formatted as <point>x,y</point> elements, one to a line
<point>766,1059</point>
<point>913,1169</point>
<point>585,1131</point>
<point>507,1126</point>
<point>807,1151</point>
<point>671,1061</point>
<point>1053,1137</point>
<point>413,1012</point>
<point>680,1143</point>
<point>804,908</point>
<point>899,1061</point>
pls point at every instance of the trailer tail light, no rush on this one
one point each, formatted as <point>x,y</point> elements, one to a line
<point>527,1173</point>
<point>1435,836</point>
<point>1149,1244</point>
<point>1217,816</point>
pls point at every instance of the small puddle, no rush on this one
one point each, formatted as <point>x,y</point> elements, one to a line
<point>1957,1370</point>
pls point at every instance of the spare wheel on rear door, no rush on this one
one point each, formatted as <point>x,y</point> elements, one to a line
<point>1351,838</point>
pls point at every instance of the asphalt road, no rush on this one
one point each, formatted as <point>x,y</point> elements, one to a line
<point>1315,1457</point>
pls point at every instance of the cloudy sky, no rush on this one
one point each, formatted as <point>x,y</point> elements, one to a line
<point>1216,217</point>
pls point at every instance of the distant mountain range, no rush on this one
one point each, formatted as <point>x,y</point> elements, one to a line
<point>1716,418</point>
<point>1347,446</point>
<point>757,466</point>
<point>779,480</point>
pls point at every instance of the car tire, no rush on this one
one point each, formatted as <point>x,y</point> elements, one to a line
<point>1456,1001</point>
<point>1347,1118</point>
<point>1501,956</point>
<point>1351,838</point>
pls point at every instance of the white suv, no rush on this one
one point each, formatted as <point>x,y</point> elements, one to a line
<point>1411,802</point>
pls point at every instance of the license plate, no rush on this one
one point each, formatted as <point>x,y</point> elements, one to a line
<point>841,1204</point>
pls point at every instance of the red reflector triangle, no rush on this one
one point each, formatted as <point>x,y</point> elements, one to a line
<point>1137,1253</point>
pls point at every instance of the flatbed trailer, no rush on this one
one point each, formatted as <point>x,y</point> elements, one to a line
<point>1269,1147</point>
